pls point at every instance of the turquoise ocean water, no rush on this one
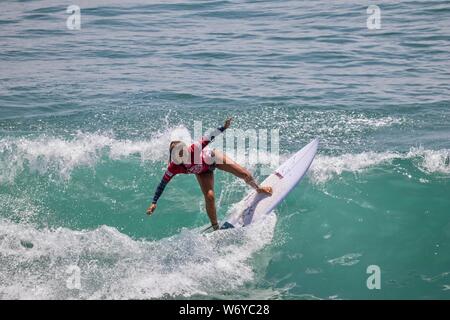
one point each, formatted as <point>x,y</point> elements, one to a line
<point>86,117</point>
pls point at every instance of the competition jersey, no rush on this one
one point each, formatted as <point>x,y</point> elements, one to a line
<point>198,163</point>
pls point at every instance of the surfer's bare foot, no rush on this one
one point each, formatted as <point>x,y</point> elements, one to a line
<point>265,190</point>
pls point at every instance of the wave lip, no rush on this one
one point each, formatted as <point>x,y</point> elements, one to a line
<point>44,154</point>
<point>325,168</point>
<point>432,161</point>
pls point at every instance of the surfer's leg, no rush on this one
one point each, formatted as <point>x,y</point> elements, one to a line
<point>206,181</point>
<point>225,163</point>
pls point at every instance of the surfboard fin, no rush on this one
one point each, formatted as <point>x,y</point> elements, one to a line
<point>226,225</point>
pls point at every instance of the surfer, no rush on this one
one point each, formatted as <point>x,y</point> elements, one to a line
<point>201,161</point>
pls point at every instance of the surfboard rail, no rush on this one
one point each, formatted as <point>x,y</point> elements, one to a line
<point>283,180</point>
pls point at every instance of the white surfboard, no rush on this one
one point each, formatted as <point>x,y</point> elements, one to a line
<point>255,206</point>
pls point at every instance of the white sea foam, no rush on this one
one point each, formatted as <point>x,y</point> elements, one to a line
<point>346,260</point>
<point>44,153</point>
<point>325,168</point>
<point>60,156</point>
<point>34,263</point>
<point>431,161</point>
<point>361,120</point>
<point>335,124</point>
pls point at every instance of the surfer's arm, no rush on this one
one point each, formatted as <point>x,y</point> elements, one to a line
<point>159,190</point>
<point>211,135</point>
<point>170,173</point>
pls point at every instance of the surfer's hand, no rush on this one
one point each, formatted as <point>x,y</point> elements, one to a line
<point>227,123</point>
<point>265,190</point>
<point>151,209</point>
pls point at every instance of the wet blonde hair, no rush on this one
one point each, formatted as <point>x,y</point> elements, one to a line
<point>173,144</point>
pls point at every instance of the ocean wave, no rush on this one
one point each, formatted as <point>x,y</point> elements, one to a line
<point>44,153</point>
<point>61,156</point>
<point>38,263</point>
<point>325,168</point>
<point>431,161</point>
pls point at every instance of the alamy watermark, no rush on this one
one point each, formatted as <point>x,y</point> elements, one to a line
<point>374,18</point>
<point>73,282</point>
<point>73,22</point>
<point>374,280</point>
<point>373,21</point>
